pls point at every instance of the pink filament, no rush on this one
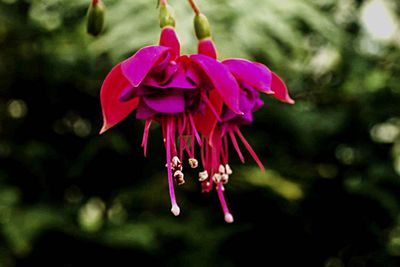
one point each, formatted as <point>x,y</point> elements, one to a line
<point>202,155</point>
<point>236,146</point>
<point>226,150</point>
<point>250,149</point>
<point>146,135</point>
<point>196,134</point>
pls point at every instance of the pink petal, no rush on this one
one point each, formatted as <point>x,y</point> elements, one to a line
<point>169,39</point>
<point>222,80</point>
<point>255,74</point>
<point>280,90</point>
<point>161,77</point>
<point>207,47</point>
<point>144,112</point>
<point>170,101</point>
<point>113,110</point>
<point>177,79</point>
<point>136,68</point>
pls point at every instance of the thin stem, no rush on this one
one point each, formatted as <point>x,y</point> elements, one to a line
<point>194,7</point>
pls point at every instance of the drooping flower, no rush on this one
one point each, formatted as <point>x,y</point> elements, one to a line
<point>253,78</point>
<point>196,99</point>
<point>161,85</point>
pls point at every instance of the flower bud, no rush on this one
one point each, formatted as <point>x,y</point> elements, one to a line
<point>95,17</point>
<point>202,27</point>
<point>166,16</point>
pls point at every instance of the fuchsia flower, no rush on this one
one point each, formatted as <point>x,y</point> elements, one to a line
<point>195,98</point>
<point>252,79</point>
<point>163,86</point>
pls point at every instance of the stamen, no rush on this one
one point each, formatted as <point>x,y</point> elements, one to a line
<point>227,215</point>
<point>179,177</point>
<point>196,134</point>
<point>216,178</point>
<point>226,149</point>
<point>228,169</point>
<point>236,146</point>
<point>224,178</point>
<point>175,162</point>
<point>250,149</point>
<point>146,135</point>
<point>193,163</point>
<point>221,169</point>
<point>203,176</point>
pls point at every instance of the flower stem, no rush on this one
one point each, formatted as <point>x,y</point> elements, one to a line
<point>194,7</point>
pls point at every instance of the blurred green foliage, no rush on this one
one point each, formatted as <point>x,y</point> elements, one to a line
<point>330,194</point>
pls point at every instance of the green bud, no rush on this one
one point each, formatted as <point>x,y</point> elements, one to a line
<point>166,17</point>
<point>95,18</point>
<point>202,27</point>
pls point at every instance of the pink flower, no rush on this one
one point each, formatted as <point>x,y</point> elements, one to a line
<point>252,79</point>
<point>196,99</point>
<point>161,85</point>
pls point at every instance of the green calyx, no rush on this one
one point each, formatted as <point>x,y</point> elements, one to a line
<point>166,16</point>
<point>202,27</point>
<point>95,18</point>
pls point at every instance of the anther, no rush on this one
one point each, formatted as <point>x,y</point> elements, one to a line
<point>224,178</point>
<point>203,176</point>
<point>217,178</point>
<point>228,169</point>
<point>193,163</point>
<point>221,169</point>
<point>179,177</point>
<point>175,162</point>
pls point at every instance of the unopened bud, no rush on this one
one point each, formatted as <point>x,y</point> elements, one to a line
<point>202,27</point>
<point>95,17</point>
<point>166,16</point>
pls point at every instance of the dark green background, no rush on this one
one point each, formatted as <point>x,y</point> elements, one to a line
<point>330,196</point>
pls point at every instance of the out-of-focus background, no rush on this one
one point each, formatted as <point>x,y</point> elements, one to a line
<point>331,193</point>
